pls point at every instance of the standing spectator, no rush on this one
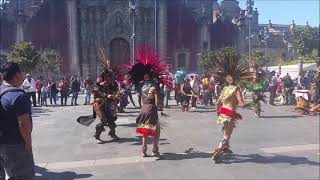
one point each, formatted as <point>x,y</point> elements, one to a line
<point>288,86</point>
<point>75,89</point>
<point>88,87</point>
<point>39,84</point>
<point>273,87</point>
<point>128,87</point>
<point>279,87</point>
<point>212,90</point>
<point>167,91</point>
<point>139,91</point>
<point>53,91</point>
<point>308,80</point>
<point>64,91</point>
<point>16,156</point>
<point>44,94</point>
<point>29,85</point>
<point>195,85</point>
<point>218,89</point>
<point>300,81</point>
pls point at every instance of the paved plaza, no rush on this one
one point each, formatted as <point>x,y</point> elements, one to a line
<point>280,145</point>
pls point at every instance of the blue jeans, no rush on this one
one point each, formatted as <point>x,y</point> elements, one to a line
<point>53,96</point>
<point>74,98</point>
<point>87,98</point>
<point>17,162</point>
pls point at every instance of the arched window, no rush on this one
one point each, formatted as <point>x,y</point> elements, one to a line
<point>119,51</point>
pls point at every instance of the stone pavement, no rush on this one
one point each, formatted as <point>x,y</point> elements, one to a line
<point>279,145</point>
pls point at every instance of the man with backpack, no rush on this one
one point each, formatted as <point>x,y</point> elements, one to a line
<point>16,157</point>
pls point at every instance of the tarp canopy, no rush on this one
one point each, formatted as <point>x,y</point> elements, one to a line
<point>293,70</point>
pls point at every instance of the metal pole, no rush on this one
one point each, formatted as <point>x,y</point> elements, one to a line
<point>249,40</point>
<point>155,24</point>
<point>267,56</point>
<point>133,36</point>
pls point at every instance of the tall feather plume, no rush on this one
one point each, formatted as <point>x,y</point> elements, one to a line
<point>228,63</point>
<point>104,60</point>
<point>149,60</point>
<point>117,71</point>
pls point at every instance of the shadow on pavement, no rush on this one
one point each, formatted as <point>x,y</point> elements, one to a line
<point>276,159</point>
<point>38,111</point>
<point>134,141</point>
<point>128,125</point>
<point>203,111</point>
<point>188,154</point>
<point>272,117</point>
<point>47,175</point>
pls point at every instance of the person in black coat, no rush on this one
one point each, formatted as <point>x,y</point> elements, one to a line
<point>75,89</point>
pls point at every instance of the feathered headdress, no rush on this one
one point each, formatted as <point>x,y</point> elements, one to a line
<point>149,62</point>
<point>117,72</point>
<point>228,63</point>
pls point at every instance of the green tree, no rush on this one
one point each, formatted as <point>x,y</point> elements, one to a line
<point>3,59</point>
<point>207,58</point>
<point>25,55</point>
<point>314,56</point>
<point>50,61</point>
<point>257,56</point>
<point>306,39</point>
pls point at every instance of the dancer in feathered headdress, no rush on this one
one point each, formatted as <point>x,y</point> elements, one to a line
<point>148,72</point>
<point>258,85</point>
<point>228,70</point>
<point>104,105</point>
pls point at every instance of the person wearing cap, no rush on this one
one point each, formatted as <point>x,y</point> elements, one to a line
<point>29,86</point>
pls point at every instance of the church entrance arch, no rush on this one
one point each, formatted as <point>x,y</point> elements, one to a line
<point>119,51</point>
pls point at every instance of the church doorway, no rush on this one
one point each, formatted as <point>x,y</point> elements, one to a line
<point>119,51</point>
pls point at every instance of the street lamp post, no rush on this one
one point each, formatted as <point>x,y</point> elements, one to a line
<point>155,24</point>
<point>249,4</point>
<point>132,7</point>
<point>267,59</point>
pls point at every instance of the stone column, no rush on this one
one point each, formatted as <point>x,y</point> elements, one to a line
<point>20,33</point>
<point>162,27</point>
<point>73,37</point>
<point>84,41</point>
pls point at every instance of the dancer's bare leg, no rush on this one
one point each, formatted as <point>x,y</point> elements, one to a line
<point>144,146</point>
<point>224,143</point>
<point>155,150</point>
<point>228,129</point>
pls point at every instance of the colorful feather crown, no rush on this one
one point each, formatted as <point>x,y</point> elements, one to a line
<point>148,61</point>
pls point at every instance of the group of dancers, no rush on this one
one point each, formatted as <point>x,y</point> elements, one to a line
<point>148,72</point>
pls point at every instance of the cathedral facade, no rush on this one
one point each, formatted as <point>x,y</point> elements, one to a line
<point>180,29</point>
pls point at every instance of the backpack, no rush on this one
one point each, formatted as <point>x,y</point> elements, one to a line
<point>2,111</point>
<point>5,92</point>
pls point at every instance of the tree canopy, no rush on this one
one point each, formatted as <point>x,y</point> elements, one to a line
<point>25,55</point>
<point>306,39</point>
<point>50,61</point>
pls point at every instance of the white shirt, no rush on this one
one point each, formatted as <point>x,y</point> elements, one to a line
<point>29,86</point>
<point>195,86</point>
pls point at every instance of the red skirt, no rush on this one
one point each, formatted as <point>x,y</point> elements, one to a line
<point>230,113</point>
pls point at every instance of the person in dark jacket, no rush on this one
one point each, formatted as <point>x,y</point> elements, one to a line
<point>53,91</point>
<point>75,89</point>
<point>64,91</point>
<point>289,87</point>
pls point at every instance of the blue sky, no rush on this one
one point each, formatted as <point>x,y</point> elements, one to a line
<point>284,11</point>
